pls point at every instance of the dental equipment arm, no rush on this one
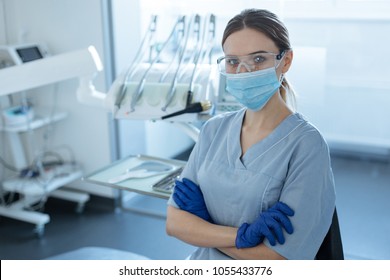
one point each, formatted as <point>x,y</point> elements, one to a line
<point>83,64</point>
<point>141,85</point>
<point>136,62</point>
<point>198,55</point>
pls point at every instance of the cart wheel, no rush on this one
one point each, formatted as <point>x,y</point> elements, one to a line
<point>39,230</point>
<point>80,208</point>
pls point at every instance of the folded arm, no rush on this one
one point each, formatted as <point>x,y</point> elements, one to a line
<point>198,232</point>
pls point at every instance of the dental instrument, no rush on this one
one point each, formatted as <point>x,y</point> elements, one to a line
<point>172,89</point>
<point>192,108</point>
<point>135,64</point>
<point>141,85</point>
<point>143,170</point>
<point>190,92</point>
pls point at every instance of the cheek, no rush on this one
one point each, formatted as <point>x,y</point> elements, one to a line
<point>279,72</point>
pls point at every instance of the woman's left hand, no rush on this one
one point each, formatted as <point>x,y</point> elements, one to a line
<point>189,197</point>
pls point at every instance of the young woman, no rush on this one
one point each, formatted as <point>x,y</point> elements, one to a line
<point>258,183</point>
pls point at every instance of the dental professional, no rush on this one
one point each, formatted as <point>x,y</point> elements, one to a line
<point>258,183</point>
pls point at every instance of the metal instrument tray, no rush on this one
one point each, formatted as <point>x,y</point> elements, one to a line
<point>153,185</point>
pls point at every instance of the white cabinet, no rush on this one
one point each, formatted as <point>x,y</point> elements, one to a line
<point>34,189</point>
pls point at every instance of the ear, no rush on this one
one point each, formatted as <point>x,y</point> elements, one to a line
<point>287,60</point>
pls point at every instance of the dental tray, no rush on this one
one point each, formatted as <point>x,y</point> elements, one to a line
<point>140,173</point>
<point>168,182</point>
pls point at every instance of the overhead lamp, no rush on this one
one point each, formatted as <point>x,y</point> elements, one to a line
<point>82,64</point>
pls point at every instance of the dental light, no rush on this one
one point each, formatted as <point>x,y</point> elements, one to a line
<point>83,64</point>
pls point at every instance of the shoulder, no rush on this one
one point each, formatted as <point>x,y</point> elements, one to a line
<point>307,132</point>
<point>224,118</point>
<point>307,138</point>
<point>221,122</point>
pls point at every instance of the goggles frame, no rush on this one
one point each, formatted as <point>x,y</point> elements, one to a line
<point>251,66</point>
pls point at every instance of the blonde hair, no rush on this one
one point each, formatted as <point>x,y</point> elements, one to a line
<point>288,94</point>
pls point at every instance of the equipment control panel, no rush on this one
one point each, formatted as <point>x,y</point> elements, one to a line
<point>11,55</point>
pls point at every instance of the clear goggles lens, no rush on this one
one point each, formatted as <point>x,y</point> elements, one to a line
<point>248,63</point>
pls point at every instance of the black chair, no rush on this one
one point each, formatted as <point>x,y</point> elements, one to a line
<point>332,247</point>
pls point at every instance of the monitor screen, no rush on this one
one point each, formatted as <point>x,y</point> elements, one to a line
<point>29,54</point>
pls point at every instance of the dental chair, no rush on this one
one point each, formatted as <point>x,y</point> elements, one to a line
<point>332,247</point>
<point>98,253</point>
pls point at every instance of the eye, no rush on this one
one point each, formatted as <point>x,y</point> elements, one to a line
<point>232,61</point>
<point>258,59</point>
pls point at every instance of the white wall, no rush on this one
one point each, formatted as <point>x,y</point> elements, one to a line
<point>350,102</point>
<point>2,24</point>
<point>66,26</point>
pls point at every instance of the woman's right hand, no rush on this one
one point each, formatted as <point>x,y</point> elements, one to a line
<point>268,225</point>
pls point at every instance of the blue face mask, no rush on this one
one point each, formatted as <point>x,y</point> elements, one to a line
<point>253,89</point>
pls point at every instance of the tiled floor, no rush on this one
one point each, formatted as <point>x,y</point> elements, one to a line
<point>363,194</point>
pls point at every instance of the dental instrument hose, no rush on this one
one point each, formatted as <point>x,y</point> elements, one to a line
<point>196,107</point>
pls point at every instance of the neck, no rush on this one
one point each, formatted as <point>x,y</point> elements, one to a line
<point>273,113</point>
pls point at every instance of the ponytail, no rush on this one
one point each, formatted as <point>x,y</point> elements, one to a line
<point>288,94</point>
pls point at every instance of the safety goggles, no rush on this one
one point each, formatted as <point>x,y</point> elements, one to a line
<point>233,64</point>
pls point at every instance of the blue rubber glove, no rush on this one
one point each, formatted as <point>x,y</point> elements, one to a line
<point>189,197</point>
<point>268,225</point>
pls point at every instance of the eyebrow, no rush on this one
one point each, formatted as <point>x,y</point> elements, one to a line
<point>261,51</point>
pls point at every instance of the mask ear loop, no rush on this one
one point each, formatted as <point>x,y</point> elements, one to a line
<point>280,57</point>
<point>281,83</point>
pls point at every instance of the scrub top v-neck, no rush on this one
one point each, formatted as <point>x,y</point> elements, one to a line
<point>291,164</point>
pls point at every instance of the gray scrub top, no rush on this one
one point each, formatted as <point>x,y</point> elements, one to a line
<point>292,165</point>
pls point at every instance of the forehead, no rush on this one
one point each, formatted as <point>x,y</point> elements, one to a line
<point>248,41</point>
